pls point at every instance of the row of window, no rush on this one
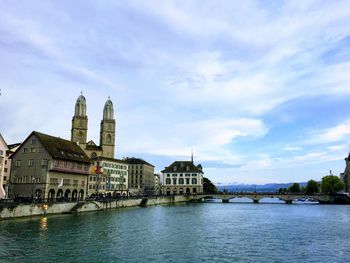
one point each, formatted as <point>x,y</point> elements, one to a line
<point>181,181</point>
<point>116,166</point>
<point>32,150</point>
<point>31,162</point>
<point>187,168</point>
<point>181,175</point>
<point>73,165</point>
<point>28,179</point>
<point>110,171</point>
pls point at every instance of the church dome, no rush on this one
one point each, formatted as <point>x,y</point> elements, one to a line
<point>108,112</point>
<point>80,106</point>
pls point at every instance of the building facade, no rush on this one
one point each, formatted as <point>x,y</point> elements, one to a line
<point>182,177</point>
<point>7,166</point>
<point>79,130</point>
<point>108,176</point>
<point>141,176</point>
<point>3,150</point>
<point>48,167</point>
<point>157,184</point>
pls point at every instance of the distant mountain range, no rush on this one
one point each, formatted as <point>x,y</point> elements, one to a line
<point>254,187</point>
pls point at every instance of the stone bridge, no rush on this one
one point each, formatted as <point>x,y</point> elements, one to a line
<point>287,198</point>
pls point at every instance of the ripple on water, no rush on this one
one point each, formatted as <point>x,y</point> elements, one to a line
<point>212,232</point>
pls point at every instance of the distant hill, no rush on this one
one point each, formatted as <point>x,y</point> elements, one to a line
<point>255,187</point>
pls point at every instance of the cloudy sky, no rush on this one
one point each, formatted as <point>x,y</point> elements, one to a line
<point>260,90</point>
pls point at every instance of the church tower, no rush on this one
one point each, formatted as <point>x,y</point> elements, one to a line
<point>107,133</point>
<point>80,122</point>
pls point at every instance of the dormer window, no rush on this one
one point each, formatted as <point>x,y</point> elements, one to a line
<point>175,168</point>
<point>187,168</point>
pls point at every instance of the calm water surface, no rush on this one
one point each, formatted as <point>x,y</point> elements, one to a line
<point>209,232</point>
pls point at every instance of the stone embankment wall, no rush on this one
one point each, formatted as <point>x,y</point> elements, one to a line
<point>23,210</point>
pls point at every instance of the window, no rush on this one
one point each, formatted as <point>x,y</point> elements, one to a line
<point>175,168</point>
<point>168,181</point>
<point>33,141</point>
<point>187,180</point>
<point>194,174</point>
<point>187,168</point>
<point>33,150</point>
<point>5,170</point>
<point>187,174</point>
<point>40,150</point>
<point>174,181</point>
<point>18,163</point>
<point>1,152</point>
<point>181,181</point>
<point>31,162</point>
<point>44,162</point>
<point>168,175</point>
<point>25,150</point>
<point>194,180</point>
<point>5,162</point>
<point>5,177</point>
<point>174,175</point>
<point>181,175</point>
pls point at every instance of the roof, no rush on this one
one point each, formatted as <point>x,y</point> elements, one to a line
<point>181,166</point>
<point>133,160</point>
<point>101,158</point>
<point>91,146</point>
<point>14,145</point>
<point>59,148</point>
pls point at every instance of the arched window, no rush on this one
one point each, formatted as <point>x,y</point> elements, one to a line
<point>80,136</point>
<point>194,180</point>
<point>109,138</point>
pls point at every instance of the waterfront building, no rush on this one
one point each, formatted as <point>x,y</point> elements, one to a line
<point>141,176</point>
<point>79,130</point>
<point>45,166</point>
<point>108,176</point>
<point>7,166</point>
<point>346,175</point>
<point>157,184</point>
<point>182,177</point>
<point>3,150</point>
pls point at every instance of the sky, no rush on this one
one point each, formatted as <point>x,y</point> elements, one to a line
<point>259,90</point>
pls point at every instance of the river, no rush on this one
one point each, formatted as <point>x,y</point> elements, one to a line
<point>206,232</point>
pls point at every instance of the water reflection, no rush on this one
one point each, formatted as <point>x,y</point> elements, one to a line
<point>43,227</point>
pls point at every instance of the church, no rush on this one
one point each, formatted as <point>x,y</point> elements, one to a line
<point>106,147</point>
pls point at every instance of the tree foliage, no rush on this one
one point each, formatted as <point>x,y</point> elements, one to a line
<point>209,187</point>
<point>294,188</point>
<point>331,184</point>
<point>311,187</point>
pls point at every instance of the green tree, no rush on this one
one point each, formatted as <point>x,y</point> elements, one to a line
<point>311,187</point>
<point>331,184</point>
<point>209,187</point>
<point>294,188</point>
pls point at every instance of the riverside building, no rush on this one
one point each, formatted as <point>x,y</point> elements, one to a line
<point>6,150</point>
<point>108,176</point>
<point>45,166</point>
<point>141,176</point>
<point>182,177</point>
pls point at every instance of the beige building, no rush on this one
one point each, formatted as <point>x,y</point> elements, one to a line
<point>49,167</point>
<point>141,176</point>
<point>157,184</point>
<point>79,130</point>
<point>182,177</point>
<point>108,176</point>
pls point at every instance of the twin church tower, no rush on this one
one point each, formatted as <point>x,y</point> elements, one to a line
<point>107,130</point>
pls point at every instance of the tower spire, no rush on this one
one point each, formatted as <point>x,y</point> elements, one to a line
<point>192,156</point>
